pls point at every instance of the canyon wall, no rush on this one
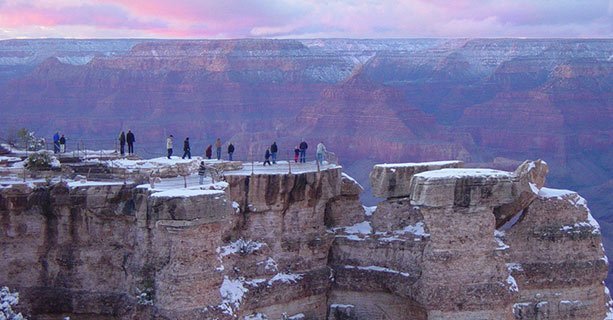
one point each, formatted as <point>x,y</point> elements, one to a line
<point>488,102</point>
<point>446,243</point>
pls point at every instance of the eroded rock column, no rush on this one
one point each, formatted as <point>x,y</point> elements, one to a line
<point>463,276</point>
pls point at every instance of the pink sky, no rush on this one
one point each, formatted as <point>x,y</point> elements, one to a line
<point>305,18</point>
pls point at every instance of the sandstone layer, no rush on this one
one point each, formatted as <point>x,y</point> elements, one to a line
<point>301,246</point>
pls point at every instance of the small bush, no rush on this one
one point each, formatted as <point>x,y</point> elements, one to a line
<point>39,161</point>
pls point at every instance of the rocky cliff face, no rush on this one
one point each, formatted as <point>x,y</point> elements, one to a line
<point>301,246</point>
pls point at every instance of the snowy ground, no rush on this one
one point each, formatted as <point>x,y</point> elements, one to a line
<point>281,167</point>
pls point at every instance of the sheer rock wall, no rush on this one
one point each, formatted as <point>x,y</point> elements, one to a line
<point>302,246</point>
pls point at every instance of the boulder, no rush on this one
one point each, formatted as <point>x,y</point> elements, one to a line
<point>392,180</point>
<point>463,188</point>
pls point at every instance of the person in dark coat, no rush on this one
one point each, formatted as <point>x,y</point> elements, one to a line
<point>56,142</point>
<point>186,149</point>
<point>63,144</point>
<point>267,158</point>
<point>303,147</point>
<point>122,143</point>
<point>130,140</point>
<point>209,152</point>
<point>273,152</point>
<point>201,171</point>
<point>296,153</point>
<point>230,151</point>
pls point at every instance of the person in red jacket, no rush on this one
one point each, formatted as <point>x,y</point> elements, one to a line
<point>209,152</point>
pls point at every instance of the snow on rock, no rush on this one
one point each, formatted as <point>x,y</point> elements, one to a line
<point>285,278</point>
<point>378,269</point>
<point>498,235</point>
<point>608,304</point>
<point>416,229</point>
<point>232,292</point>
<point>534,188</point>
<point>361,228</point>
<point>240,246</point>
<point>236,207</point>
<point>256,316</point>
<point>368,211</point>
<point>512,284</point>
<point>85,183</point>
<point>463,173</point>
<point>297,317</point>
<point>414,164</point>
<point>7,301</point>
<point>184,193</point>
<point>348,177</point>
<point>513,266</point>
<point>270,264</point>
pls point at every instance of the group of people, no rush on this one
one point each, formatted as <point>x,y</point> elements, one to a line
<point>187,151</point>
<point>269,155</point>
<point>299,153</point>
<point>59,143</point>
<point>126,138</point>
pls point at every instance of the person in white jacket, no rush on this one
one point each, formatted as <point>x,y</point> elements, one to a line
<point>321,152</point>
<point>169,141</point>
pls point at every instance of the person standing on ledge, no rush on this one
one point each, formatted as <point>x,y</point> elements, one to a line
<point>122,143</point>
<point>56,142</point>
<point>296,153</point>
<point>321,151</point>
<point>186,149</point>
<point>230,151</point>
<point>267,157</point>
<point>201,171</point>
<point>169,145</point>
<point>130,140</point>
<point>218,148</point>
<point>273,152</point>
<point>62,144</point>
<point>303,147</point>
<point>209,152</point>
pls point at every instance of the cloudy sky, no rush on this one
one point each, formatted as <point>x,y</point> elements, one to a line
<point>305,18</point>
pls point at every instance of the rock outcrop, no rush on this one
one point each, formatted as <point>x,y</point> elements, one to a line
<point>301,246</point>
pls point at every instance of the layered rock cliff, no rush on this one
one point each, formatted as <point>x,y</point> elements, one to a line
<point>442,245</point>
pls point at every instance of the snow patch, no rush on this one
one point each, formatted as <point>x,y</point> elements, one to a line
<point>463,173</point>
<point>512,284</point>
<point>361,228</point>
<point>498,235</point>
<point>368,211</point>
<point>256,316</point>
<point>348,177</point>
<point>232,292</point>
<point>378,269</point>
<point>285,278</point>
<point>236,207</point>
<point>185,193</point>
<point>7,301</point>
<point>416,229</point>
<point>534,188</point>
<point>240,246</point>
<point>416,164</point>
